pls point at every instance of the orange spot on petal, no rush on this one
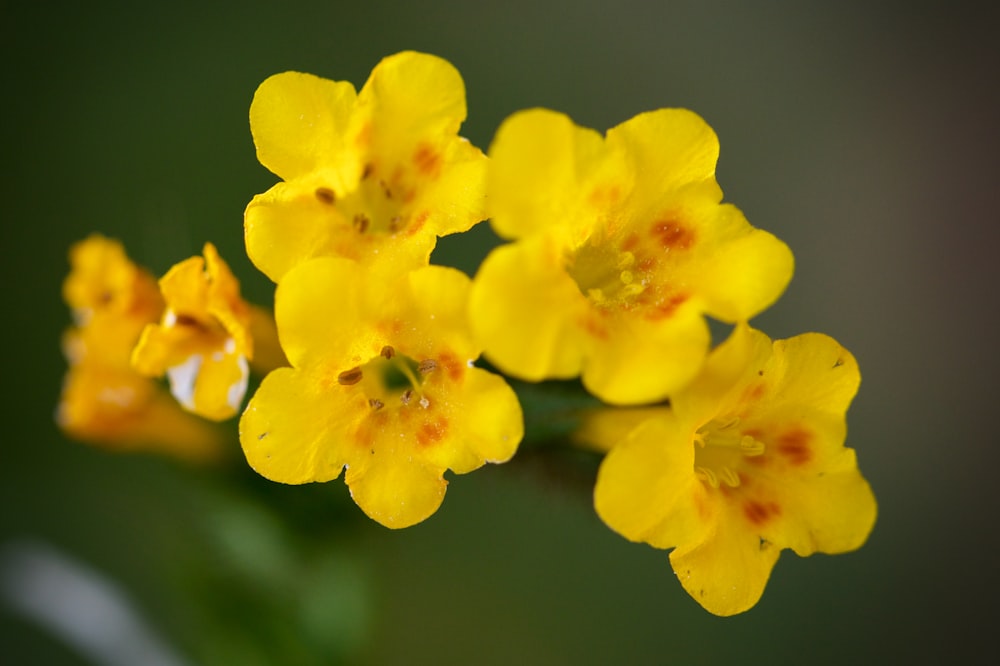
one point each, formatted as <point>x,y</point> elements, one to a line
<point>594,327</point>
<point>794,445</point>
<point>666,308</point>
<point>760,513</point>
<point>427,160</point>
<point>630,243</point>
<point>432,431</point>
<point>672,235</point>
<point>454,367</point>
<point>417,223</point>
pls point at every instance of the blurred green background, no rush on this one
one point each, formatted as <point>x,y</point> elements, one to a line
<point>863,134</point>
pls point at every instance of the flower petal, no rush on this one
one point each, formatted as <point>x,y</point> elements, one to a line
<point>742,270</point>
<point>298,122</point>
<point>726,573</point>
<point>525,309</point>
<point>646,488</point>
<point>411,97</point>
<point>290,429</point>
<point>666,149</point>
<point>541,163</point>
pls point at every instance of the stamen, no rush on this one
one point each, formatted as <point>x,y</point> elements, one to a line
<point>625,259</point>
<point>385,189</point>
<point>751,447</point>
<point>707,475</point>
<point>349,377</point>
<point>731,478</point>
<point>376,404</point>
<point>626,277</point>
<point>424,402</point>
<point>361,222</point>
<point>406,396</point>
<point>326,195</point>
<point>427,366</point>
<point>369,168</point>
<point>387,352</point>
<point>394,223</point>
<point>633,289</point>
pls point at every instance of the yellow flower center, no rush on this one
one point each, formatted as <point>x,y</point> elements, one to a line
<point>608,274</point>
<point>721,445</point>
<point>391,379</point>
<point>377,205</point>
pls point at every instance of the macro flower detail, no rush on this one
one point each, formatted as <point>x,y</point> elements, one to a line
<point>382,383</point>
<point>204,340</point>
<point>374,176</point>
<point>621,247</point>
<point>748,460</point>
<point>105,401</point>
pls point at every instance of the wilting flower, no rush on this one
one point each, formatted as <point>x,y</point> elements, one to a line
<point>204,341</point>
<point>104,400</point>
<point>374,176</point>
<point>382,383</point>
<point>748,460</point>
<point>622,247</point>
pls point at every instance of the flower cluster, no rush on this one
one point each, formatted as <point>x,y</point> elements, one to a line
<point>617,249</point>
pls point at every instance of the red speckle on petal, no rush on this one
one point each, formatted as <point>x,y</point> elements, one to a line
<point>454,367</point>
<point>432,431</point>
<point>594,327</point>
<point>794,445</point>
<point>427,160</point>
<point>630,243</point>
<point>667,308</point>
<point>417,223</point>
<point>672,235</point>
<point>760,513</point>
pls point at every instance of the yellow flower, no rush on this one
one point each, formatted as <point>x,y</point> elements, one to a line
<point>747,461</point>
<point>623,246</point>
<point>382,384</point>
<point>104,401</point>
<point>204,341</point>
<point>374,176</point>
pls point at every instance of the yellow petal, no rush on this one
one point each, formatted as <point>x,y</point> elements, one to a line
<point>483,414</point>
<point>742,270</point>
<point>291,431</point>
<point>646,488</point>
<point>541,164</point>
<point>666,149</point>
<point>290,224</point>
<point>395,490</point>
<point>411,97</point>
<point>526,311</point>
<point>298,122</point>
<point>726,572</point>
<point>637,361</point>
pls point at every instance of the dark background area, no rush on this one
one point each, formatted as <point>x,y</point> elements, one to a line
<point>862,134</point>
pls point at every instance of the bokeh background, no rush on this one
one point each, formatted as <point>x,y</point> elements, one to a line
<point>864,134</point>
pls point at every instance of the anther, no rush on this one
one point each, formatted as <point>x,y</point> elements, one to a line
<point>387,352</point>
<point>369,168</point>
<point>626,277</point>
<point>326,195</point>
<point>385,189</point>
<point>427,366</point>
<point>376,404</point>
<point>406,396</point>
<point>349,377</point>
<point>394,223</point>
<point>361,223</point>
